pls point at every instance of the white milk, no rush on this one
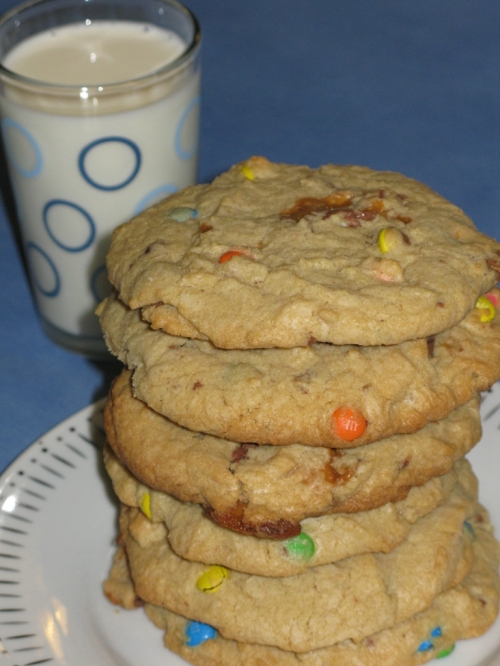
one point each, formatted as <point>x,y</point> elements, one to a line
<point>82,164</point>
<point>95,53</point>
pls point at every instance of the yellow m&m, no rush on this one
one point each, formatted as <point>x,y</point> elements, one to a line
<point>390,238</point>
<point>488,310</point>
<point>212,579</point>
<point>146,505</point>
<point>247,172</point>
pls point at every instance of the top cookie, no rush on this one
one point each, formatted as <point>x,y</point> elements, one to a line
<point>273,255</point>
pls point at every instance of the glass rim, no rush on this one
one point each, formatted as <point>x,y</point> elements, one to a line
<point>104,88</point>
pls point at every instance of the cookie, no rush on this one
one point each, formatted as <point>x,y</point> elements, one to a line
<point>118,587</point>
<point>351,599</point>
<point>275,255</point>
<point>465,611</point>
<point>323,540</point>
<point>322,395</point>
<point>268,490</point>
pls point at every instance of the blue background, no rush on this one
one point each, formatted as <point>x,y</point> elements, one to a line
<point>408,86</point>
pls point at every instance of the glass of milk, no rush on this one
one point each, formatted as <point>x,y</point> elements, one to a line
<point>99,106</point>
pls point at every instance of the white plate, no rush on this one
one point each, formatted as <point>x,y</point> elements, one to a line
<point>57,527</point>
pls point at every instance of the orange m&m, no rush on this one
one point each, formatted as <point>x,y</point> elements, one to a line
<point>229,255</point>
<point>348,423</point>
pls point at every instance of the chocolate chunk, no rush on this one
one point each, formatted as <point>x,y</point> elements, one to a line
<point>308,205</point>
<point>235,520</point>
<point>431,341</point>
<point>240,452</point>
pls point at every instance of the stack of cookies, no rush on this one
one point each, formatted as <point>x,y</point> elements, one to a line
<point>304,353</point>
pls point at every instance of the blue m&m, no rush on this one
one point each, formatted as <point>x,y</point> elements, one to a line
<point>197,633</point>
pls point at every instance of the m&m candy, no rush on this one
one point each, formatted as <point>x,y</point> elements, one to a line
<point>247,172</point>
<point>212,579</point>
<point>425,646</point>
<point>229,255</point>
<point>445,652</point>
<point>469,529</point>
<point>348,423</point>
<point>488,310</point>
<point>182,214</point>
<point>197,633</point>
<point>389,238</point>
<point>146,505</point>
<point>301,547</point>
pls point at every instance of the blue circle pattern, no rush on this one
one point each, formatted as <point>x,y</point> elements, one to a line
<point>150,198</point>
<point>99,284</point>
<point>79,209</point>
<point>51,293</point>
<point>31,173</point>
<point>108,139</point>
<point>185,154</point>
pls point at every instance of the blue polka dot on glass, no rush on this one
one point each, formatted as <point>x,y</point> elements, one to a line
<point>154,196</point>
<point>22,149</point>
<point>44,273</point>
<point>99,284</point>
<point>69,225</point>
<point>197,633</point>
<point>186,136</point>
<point>110,163</point>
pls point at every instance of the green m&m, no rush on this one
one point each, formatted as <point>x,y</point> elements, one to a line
<point>300,546</point>
<point>445,652</point>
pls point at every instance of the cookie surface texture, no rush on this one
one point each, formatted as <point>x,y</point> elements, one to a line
<point>322,606</point>
<point>266,490</point>
<point>465,611</point>
<point>193,536</point>
<point>344,255</point>
<point>288,396</point>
